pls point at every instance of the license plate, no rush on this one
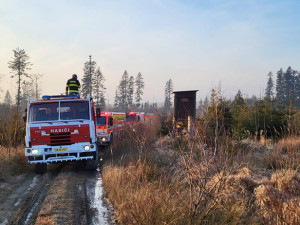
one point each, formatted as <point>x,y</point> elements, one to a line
<point>60,149</point>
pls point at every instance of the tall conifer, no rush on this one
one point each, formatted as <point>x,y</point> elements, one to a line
<point>270,85</point>
<point>139,83</point>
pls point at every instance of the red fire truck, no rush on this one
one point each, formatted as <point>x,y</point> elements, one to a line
<point>136,117</point>
<point>109,125</point>
<point>59,129</point>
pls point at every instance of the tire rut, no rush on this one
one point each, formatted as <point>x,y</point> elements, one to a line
<point>82,205</point>
<point>30,204</point>
<point>64,195</point>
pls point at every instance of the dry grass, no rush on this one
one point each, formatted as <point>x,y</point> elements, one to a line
<point>289,144</point>
<point>57,207</point>
<point>144,194</point>
<point>284,155</point>
<point>12,155</point>
<point>12,132</point>
<point>182,181</point>
<point>12,162</point>
<point>140,196</point>
<point>278,201</point>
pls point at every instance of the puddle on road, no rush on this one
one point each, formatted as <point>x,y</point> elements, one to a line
<point>102,212</point>
<point>33,208</point>
<point>32,185</point>
<point>34,182</point>
<point>18,202</point>
<point>4,222</point>
<point>95,194</point>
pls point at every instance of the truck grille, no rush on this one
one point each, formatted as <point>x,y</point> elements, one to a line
<point>60,139</point>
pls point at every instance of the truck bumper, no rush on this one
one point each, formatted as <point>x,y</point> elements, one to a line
<point>50,154</point>
<point>104,139</point>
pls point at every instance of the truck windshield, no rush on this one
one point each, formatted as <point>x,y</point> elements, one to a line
<point>101,121</point>
<point>50,111</point>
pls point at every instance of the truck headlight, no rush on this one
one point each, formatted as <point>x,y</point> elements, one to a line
<point>103,139</point>
<point>86,148</point>
<point>34,151</point>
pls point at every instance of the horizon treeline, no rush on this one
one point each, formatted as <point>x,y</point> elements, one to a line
<point>282,91</point>
<point>275,115</point>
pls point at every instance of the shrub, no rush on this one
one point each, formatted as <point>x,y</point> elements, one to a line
<point>12,162</point>
<point>12,132</point>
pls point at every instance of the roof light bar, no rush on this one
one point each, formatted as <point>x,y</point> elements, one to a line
<point>59,96</point>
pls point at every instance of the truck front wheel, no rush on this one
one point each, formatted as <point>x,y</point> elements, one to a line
<point>40,168</point>
<point>92,164</point>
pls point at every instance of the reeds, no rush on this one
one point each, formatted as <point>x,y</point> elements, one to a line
<point>193,180</point>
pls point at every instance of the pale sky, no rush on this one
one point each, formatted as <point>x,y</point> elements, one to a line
<point>195,43</point>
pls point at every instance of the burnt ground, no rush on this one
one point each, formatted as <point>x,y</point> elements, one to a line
<point>66,194</point>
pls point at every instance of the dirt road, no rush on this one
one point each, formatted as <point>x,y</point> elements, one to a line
<point>66,194</point>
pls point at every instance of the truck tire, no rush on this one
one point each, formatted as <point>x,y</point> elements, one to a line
<point>40,168</point>
<point>92,164</point>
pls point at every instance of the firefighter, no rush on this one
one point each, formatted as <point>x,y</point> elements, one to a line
<point>73,86</point>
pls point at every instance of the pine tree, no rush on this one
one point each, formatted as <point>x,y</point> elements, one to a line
<point>130,91</point>
<point>0,82</point>
<point>269,89</point>
<point>252,101</point>
<point>88,73</point>
<point>238,108</point>
<point>280,88</point>
<point>98,88</point>
<point>200,107</point>
<point>168,92</point>
<point>7,99</point>
<point>19,66</point>
<point>297,89</point>
<point>139,82</point>
<point>238,102</point>
<point>206,102</point>
<point>288,87</point>
<point>123,92</point>
<point>117,101</point>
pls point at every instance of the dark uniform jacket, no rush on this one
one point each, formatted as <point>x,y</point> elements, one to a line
<point>73,86</point>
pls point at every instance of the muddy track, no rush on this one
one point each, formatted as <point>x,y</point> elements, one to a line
<point>64,195</point>
<point>30,203</point>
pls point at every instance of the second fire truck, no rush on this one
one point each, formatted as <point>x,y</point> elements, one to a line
<point>109,125</point>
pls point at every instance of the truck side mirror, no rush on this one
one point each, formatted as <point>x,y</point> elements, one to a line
<point>24,117</point>
<point>111,121</point>
<point>98,112</point>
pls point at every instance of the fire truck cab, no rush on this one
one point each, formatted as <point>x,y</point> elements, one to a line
<point>109,125</point>
<point>59,129</point>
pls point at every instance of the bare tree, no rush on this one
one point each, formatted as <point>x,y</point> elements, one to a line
<point>27,91</point>
<point>36,81</point>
